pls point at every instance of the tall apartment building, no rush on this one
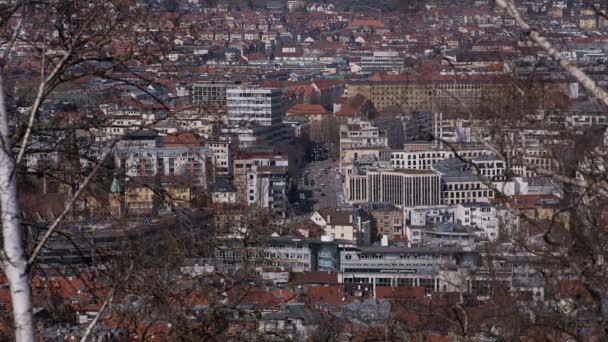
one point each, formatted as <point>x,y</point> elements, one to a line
<point>222,149</point>
<point>212,93</point>
<point>267,188</point>
<point>250,106</point>
<point>399,187</point>
<point>383,61</point>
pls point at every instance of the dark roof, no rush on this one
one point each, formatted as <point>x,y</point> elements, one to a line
<point>222,184</point>
<point>337,216</point>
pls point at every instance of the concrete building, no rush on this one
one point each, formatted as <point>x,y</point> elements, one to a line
<point>245,160</point>
<point>250,106</point>
<point>383,61</point>
<point>428,215</point>
<point>222,191</point>
<point>444,234</point>
<point>479,215</point>
<point>399,187</point>
<point>294,254</point>
<point>211,93</point>
<point>358,135</point>
<point>433,93</point>
<point>461,184</point>
<point>404,266</point>
<point>222,149</point>
<point>267,187</point>
<point>150,155</point>
<point>424,159</point>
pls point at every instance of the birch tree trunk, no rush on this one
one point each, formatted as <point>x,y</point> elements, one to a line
<point>13,260</point>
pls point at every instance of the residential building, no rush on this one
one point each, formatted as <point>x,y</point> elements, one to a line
<point>428,215</point>
<point>267,187</point>
<point>149,195</point>
<point>222,149</point>
<point>352,225</point>
<point>222,191</point>
<point>178,155</point>
<point>358,134</point>
<point>479,215</point>
<point>245,160</point>
<point>387,220</point>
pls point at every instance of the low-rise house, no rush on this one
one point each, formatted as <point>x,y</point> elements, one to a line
<point>222,191</point>
<point>353,225</point>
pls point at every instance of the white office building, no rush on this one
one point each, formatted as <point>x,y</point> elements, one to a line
<point>383,60</point>
<point>398,187</point>
<point>250,106</point>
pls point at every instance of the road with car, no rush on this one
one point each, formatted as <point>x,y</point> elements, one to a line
<point>321,180</point>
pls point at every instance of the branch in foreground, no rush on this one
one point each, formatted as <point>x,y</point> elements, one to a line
<point>589,84</point>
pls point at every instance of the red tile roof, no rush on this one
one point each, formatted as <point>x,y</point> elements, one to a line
<point>333,295</point>
<point>180,140</point>
<point>307,109</point>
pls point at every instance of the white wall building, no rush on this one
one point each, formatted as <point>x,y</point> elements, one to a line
<point>254,106</point>
<point>479,215</point>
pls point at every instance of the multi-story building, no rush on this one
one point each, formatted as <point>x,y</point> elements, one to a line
<point>383,61</point>
<point>424,159</point>
<point>267,187</point>
<point>250,106</point>
<point>355,136</point>
<point>426,267</point>
<point>434,93</point>
<point>211,93</point>
<point>479,215</point>
<point>148,195</point>
<point>222,149</point>
<point>181,155</point>
<point>245,160</point>
<point>400,187</point>
<point>445,234</point>
<point>387,220</point>
<point>294,254</point>
<point>428,215</point>
<point>460,183</point>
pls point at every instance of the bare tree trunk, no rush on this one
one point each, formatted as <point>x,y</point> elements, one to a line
<point>14,262</point>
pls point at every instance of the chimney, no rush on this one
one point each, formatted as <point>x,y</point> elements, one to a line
<point>328,219</point>
<point>350,218</point>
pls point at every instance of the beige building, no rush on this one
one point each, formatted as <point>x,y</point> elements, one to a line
<point>429,94</point>
<point>387,220</point>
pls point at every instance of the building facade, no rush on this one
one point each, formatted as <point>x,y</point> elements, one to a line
<point>250,106</point>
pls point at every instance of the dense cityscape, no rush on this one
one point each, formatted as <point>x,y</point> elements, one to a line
<point>290,170</point>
